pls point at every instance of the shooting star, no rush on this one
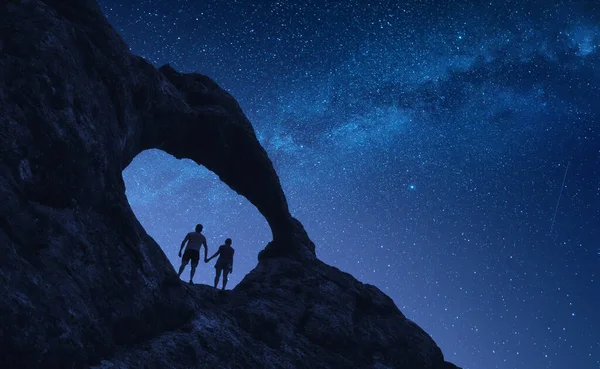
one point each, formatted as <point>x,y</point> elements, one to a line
<point>559,197</point>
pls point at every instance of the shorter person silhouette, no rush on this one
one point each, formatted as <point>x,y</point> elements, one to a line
<point>224,262</point>
<point>195,240</point>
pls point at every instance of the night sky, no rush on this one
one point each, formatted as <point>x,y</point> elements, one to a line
<point>446,152</point>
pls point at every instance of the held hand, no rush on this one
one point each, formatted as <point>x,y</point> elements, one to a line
<point>205,260</point>
<point>230,270</point>
<point>179,253</point>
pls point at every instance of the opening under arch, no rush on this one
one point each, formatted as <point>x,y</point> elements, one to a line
<point>170,196</point>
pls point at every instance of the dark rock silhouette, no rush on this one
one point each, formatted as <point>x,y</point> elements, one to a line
<point>83,285</point>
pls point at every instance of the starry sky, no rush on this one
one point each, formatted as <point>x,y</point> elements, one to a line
<point>447,152</point>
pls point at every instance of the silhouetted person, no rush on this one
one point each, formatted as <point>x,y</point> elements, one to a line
<point>224,262</point>
<point>195,240</point>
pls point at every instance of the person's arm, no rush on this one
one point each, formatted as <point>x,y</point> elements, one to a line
<point>216,253</point>
<point>205,251</point>
<point>231,268</point>
<point>186,239</point>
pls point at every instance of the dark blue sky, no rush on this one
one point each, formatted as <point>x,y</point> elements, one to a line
<point>423,145</point>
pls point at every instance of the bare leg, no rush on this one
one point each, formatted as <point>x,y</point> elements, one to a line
<point>192,271</point>
<point>181,268</point>
<point>225,274</point>
<point>217,276</point>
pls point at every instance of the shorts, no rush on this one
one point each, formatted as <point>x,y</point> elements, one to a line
<point>193,255</point>
<point>223,264</point>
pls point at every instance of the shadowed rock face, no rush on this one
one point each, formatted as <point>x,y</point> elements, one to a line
<point>83,285</point>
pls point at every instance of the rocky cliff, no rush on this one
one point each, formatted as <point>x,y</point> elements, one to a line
<point>81,282</point>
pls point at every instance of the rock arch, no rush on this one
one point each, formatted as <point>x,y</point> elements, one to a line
<point>190,116</point>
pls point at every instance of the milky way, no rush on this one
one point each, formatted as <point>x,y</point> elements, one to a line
<point>424,146</point>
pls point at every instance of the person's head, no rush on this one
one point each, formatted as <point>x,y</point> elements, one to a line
<point>199,228</point>
<point>228,242</point>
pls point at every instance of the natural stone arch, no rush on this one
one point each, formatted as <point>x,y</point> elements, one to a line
<point>190,116</point>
